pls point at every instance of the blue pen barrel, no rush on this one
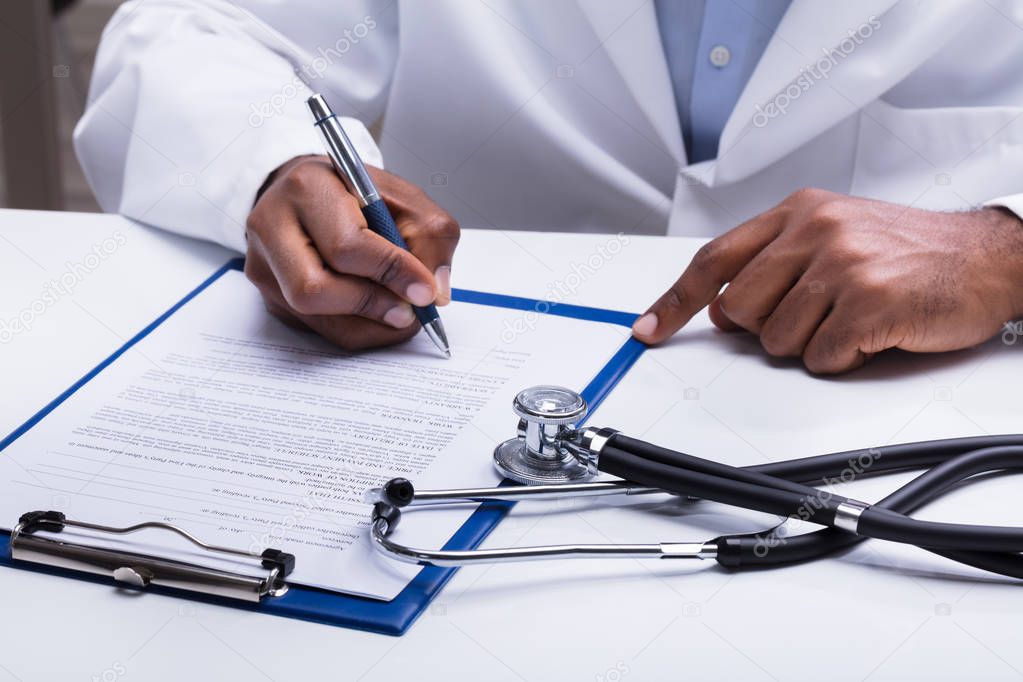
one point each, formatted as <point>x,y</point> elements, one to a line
<point>379,220</point>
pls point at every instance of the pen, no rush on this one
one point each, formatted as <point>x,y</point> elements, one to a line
<point>356,179</point>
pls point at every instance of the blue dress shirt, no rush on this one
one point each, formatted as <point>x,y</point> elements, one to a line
<point>712,48</point>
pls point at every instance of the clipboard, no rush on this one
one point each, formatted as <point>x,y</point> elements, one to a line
<point>271,594</point>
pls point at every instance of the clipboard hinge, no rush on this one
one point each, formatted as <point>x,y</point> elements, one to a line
<point>140,570</point>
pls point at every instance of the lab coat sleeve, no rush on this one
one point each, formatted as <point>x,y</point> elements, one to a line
<point>194,102</point>
<point>1012,202</point>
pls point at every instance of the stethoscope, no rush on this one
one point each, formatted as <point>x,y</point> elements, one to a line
<point>550,458</point>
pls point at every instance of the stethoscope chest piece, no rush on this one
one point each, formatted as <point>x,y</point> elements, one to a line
<point>538,456</point>
<point>553,454</point>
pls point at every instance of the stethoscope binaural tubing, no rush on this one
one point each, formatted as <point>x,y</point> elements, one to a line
<point>779,491</point>
<point>779,488</point>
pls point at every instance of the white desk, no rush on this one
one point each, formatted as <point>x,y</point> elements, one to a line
<point>851,618</point>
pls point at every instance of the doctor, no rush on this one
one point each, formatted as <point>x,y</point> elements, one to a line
<point>677,117</point>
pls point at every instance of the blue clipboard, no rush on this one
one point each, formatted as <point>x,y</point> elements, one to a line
<point>332,608</point>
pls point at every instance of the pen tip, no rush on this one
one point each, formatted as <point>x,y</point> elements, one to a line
<point>435,330</point>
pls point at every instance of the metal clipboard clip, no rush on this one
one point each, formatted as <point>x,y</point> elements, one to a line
<point>141,570</point>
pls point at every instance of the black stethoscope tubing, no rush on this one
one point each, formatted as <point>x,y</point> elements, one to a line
<point>781,488</point>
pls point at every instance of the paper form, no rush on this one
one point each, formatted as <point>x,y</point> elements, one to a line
<point>253,435</point>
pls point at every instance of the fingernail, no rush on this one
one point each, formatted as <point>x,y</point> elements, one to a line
<point>400,316</point>
<point>646,325</point>
<point>419,294</point>
<point>443,277</point>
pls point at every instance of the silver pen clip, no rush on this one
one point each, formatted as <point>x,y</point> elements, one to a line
<point>342,152</point>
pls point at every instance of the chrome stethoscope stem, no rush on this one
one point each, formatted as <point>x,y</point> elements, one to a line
<point>516,493</point>
<point>552,457</point>
<point>548,456</point>
<point>441,557</point>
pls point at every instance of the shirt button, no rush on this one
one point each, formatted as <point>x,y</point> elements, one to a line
<point>720,56</point>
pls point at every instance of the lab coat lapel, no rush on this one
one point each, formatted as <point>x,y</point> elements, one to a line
<point>814,73</point>
<point>632,41</point>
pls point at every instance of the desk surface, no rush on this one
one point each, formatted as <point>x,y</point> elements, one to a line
<point>881,612</point>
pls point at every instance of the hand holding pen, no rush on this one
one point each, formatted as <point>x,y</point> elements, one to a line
<point>319,266</point>
<point>356,178</point>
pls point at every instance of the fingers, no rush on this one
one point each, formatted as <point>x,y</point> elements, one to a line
<point>344,242</point>
<point>835,345</point>
<point>319,266</point>
<point>755,292</point>
<point>346,331</point>
<point>282,260</point>
<point>790,327</point>
<point>713,266</point>
<point>356,333</point>
<point>282,313</point>
<point>433,240</point>
<point>430,232</point>
<point>718,317</point>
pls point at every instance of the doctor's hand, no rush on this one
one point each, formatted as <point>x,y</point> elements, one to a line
<point>835,279</point>
<point>318,265</point>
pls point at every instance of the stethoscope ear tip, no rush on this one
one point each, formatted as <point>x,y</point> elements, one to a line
<point>399,492</point>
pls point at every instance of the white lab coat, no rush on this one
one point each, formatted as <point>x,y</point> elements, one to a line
<point>550,114</point>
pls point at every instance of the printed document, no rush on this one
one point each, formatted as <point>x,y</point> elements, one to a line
<point>250,434</point>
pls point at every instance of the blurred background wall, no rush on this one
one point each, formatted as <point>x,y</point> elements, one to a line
<point>46,53</point>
